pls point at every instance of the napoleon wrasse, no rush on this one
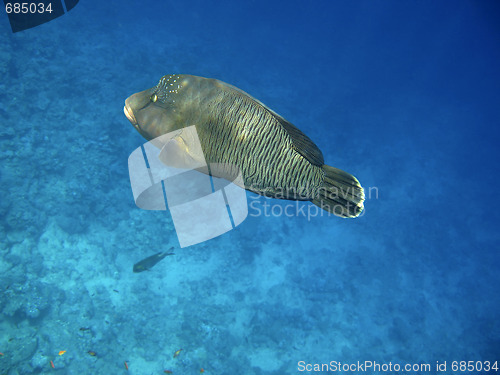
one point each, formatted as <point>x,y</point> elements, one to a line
<point>275,158</point>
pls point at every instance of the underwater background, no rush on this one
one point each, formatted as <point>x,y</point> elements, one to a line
<point>403,94</point>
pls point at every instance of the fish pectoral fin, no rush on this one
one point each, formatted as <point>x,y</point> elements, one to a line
<point>183,151</point>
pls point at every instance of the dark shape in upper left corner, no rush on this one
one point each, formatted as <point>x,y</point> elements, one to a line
<point>28,14</point>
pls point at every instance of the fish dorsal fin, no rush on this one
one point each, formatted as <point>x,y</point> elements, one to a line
<point>302,143</point>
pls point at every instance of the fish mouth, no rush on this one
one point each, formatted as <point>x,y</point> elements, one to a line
<point>129,114</point>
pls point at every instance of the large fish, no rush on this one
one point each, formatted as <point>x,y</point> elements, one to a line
<point>275,158</point>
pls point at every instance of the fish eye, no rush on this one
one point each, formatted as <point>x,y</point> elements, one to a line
<point>154,98</point>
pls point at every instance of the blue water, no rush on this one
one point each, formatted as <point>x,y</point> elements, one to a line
<point>405,95</point>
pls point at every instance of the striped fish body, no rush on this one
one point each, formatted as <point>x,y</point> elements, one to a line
<point>275,158</point>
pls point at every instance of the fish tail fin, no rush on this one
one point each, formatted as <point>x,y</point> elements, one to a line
<point>340,194</point>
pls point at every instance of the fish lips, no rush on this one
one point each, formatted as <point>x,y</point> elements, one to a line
<point>150,119</point>
<point>135,103</point>
<point>129,114</point>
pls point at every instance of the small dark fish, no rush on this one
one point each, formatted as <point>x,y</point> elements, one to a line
<point>150,262</point>
<point>92,353</point>
<point>114,290</point>
<point>84,328</point>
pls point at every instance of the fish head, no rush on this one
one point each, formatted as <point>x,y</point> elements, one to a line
<point>139,268</point>
<point>158,110</point>
<point>148,118</point>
